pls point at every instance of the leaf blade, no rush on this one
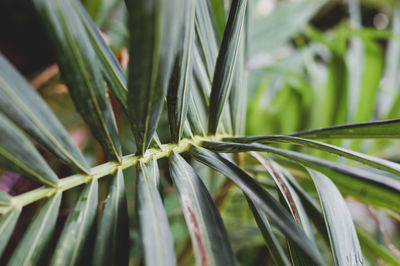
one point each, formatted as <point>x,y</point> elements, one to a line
<point>207,230</point>
<point>78,225</point>
<point>17,153</point>
<point>342,233</point>
<point>112,238</point>
<point>261,198</point>
<point>154,228</point>
<point>38,235</point>
<point>7,224</point>
<point>21,104</point>
<point>225,65</point>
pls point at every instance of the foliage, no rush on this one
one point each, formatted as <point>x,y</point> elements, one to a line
<point>209,157</point>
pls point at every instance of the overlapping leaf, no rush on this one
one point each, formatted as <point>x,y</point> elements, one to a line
<point>224,69</point>
<point>110,67</point>
<point>5,199</point>
<point>342,233</point>
<point>75,234</point>
<point>7,224</point>
<point>181,79</point>
<point>261,199</point>
<point>31,249</point>
<point>80,70</point>
<point>112,239</point>
<point>20,103</point>
<point>372,161</point>
<point>208,233</point>
<point>374,189</point>
<point>369,130</point>
<point>154,228</point>
<point>17,153</point>
<point>154,35</point>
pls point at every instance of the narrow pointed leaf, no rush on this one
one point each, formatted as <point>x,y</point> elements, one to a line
<point>370,130</point>
<point>372,161</point>
<point>4,198</point>
<point>154,228</point>
<point>342,233</point>
<point>18,154</point>
<point>154,33</point>
<point>292,203</point>
<point>31,249</point>
<point>261,199</point>
<point>80,69</point>
<point>209,237</point>
<point>206,35</point>
<point>75,235</point>
<point>181,79</point>
<point>112,239</point>
<point>20,103</point>
<point>274,247</point>
<point>110,67</point>
<point>377,190</point>
<point>7,224</point>
<point>218,13</point>
<point>225,65</point>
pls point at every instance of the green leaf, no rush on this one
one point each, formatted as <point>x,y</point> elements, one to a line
<point>368,130</point>
<point>181,79</point>
<point>286,20</point>
<point>206,36</point>
<point>110,67</point>
<point>18,154</point>
<point>342,233</point>
<point>154,228</point>
<point>374,250</point>
<point>5,199</point>
<point>31,249</point>
<point>75,234</point>
<point>112,238</point>
<point>80,70</point>
<point>209,237</point>
<point>372,161</point>
<point>374,189</point>
<point>154,34</point>
<point>274,247</point>
<point>261,199</point>
<point>238,95</point>
<point>7,224</point>
<point>197,111</point>
<point>20,103</point>
<point>225,66</point>
<point>292,203</point>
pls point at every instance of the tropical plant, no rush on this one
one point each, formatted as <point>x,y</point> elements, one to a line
<point>198,64</point>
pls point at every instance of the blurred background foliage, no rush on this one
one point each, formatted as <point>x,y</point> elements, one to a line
<point>311,64</point>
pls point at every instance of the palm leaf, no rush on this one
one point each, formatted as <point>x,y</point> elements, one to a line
<point>208,233</point>
<point>154,228</point>
<point>225,65</point>
<point>154,32</point>
<point>261,199</point>
<point>31,249</point>
<point>112,239</point>
<point>110,67</point>
<point>5,199</point>
<point>80,71</point>
<point>20,103</point>
<point>7,224</point>
<point>181,79</point>
<point>277,253</point>
<point>342,233</point>
<point>372,161</point>
<point>17,153</point>
<point>74,236</point>
<point>374,189</point>
<point>368,130</point>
